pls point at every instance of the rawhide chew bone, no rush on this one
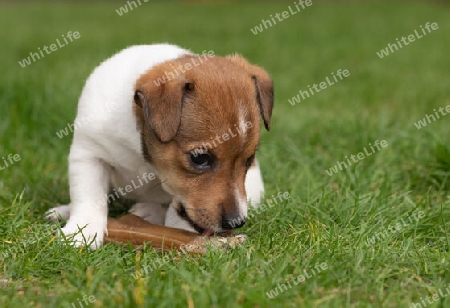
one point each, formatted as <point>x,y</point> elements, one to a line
<point>136,231</point>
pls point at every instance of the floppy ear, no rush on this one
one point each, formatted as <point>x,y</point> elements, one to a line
<point>263,85</point>
<point>161,105</point>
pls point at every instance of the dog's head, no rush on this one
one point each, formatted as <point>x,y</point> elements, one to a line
<point>200,131</point>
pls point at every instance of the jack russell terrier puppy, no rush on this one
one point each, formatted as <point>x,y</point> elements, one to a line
<point>154,115</point>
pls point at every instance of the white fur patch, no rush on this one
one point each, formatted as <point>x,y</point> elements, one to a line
<point>243,113</point>
<point>254,185</point>
<point>175,221</point>
<point>243,205</point>
<point>152,212</point>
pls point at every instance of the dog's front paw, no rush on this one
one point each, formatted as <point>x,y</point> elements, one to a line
<point>58,213</point>
<point>84,234</point>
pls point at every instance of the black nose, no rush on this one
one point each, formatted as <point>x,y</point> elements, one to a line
<point>232,223</point>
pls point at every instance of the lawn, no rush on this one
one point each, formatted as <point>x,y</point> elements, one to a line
<point>374,234</point>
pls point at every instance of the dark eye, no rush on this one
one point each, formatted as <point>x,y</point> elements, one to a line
<point>249,161</point>
<point>201,161</point>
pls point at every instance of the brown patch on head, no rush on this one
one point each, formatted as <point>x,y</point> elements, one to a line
<point>200,131</point>
<point>263,84</point>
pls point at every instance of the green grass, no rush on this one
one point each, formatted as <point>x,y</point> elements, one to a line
<point>327,219</point>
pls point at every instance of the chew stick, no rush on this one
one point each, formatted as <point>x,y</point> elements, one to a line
<point>136,231</point>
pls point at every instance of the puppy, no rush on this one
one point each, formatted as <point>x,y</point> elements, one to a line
<point>176,132</point>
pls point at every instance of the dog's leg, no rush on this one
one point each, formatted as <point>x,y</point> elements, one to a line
<point>89,183</point>
<point>154,213</point>
<point>58,213</point>
<point>254,185</point>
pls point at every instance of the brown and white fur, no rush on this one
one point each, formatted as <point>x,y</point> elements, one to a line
<point>139,128</point>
